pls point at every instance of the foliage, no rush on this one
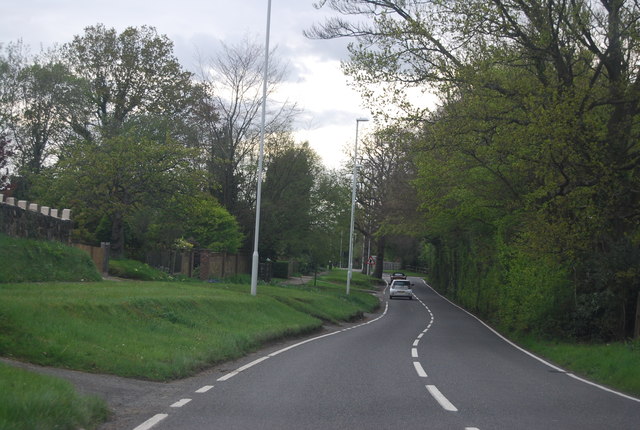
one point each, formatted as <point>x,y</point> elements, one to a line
<point>119,177</point>
<point>286,201</point>
<point>209,224</point>
<point>28,260</point>
<point>33,401</point>
<point>528,170</point>
<point>132,73</point>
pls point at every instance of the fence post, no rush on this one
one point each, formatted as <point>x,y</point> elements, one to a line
<point>106,250</point>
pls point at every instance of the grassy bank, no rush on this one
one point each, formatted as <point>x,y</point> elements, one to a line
<point>31,401</point>
<point>158,331</point>
<point>25,260</point>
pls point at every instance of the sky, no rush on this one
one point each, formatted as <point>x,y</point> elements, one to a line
<point>315,82</point>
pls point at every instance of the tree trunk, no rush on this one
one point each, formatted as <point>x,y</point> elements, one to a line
<point>117,236</point>
<point>379,258</point>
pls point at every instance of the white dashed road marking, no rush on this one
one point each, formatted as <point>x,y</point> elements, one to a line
<point>419,369</point>
<point>440,398</point>
<point>180,403</point>
<point>151,422</point>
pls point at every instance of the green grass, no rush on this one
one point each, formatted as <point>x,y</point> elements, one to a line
<point>616,365</point>
<point>158,330</point>
<point>337,278</point>
<point>25,260</point>
<point>31,401</point>
<point>132,269</point>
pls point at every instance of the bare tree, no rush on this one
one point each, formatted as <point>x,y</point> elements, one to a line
<point>234,81</point>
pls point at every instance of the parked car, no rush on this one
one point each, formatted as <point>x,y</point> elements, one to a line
<point>398,275</point>
<point>401,288</point>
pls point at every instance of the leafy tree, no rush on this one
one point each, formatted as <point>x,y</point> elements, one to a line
<point>120,176</point>
<point>535,150</point>
<point>210,224</point>
<point>286,201</point>
<point>331,208</point>
<point>131,73</point>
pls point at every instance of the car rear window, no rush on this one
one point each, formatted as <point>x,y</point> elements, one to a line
<point>401,283</point>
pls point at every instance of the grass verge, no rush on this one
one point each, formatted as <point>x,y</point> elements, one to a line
<point>616,365</point>
<point>26,260</point>
<point>158,330</point>
<point>32,401</point>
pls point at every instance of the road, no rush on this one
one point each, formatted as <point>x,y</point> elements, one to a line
<point>420,364</point>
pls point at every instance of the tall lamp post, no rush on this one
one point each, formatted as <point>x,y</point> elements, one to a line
<point>256,261</point>
<point>353,204</point>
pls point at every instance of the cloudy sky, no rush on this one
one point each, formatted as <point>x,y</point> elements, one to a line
<point>197,27</point>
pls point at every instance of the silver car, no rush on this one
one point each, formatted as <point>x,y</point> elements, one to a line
<point>400,288</point>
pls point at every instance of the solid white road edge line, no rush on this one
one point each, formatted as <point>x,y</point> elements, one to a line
<point>419,369</point>
<point>151,422</point>
<point>446,404</point>
<point>253,363</point>
<point>227,376</point>
<point>532,355</point>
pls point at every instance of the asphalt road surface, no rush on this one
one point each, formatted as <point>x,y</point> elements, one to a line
<point>420,364</point>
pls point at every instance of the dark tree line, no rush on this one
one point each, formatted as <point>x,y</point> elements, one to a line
<point>527,171</point>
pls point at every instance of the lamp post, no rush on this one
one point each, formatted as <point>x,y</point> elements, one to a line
<point>353,204</point>
<point>256,260</point>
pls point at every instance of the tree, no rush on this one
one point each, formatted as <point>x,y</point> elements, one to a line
<point>286,201</point>
<point>5,154</point>
<point>131,73</point>
<point>234,83</point>
<point>122,175</point>
<point>47,95</point>
<point>540,101</point>
<point>385,194</point>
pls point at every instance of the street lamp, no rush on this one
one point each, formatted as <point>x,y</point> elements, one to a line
<point>353,204</point>
<point>256,260</point>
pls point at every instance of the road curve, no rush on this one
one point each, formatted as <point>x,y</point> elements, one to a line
<point>420,364</point>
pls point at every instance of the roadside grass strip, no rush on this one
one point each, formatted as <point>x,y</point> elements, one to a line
<point>30,400</point>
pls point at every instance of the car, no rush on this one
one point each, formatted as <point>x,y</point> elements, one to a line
<point>398,275</point>
<point>400,288</point>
